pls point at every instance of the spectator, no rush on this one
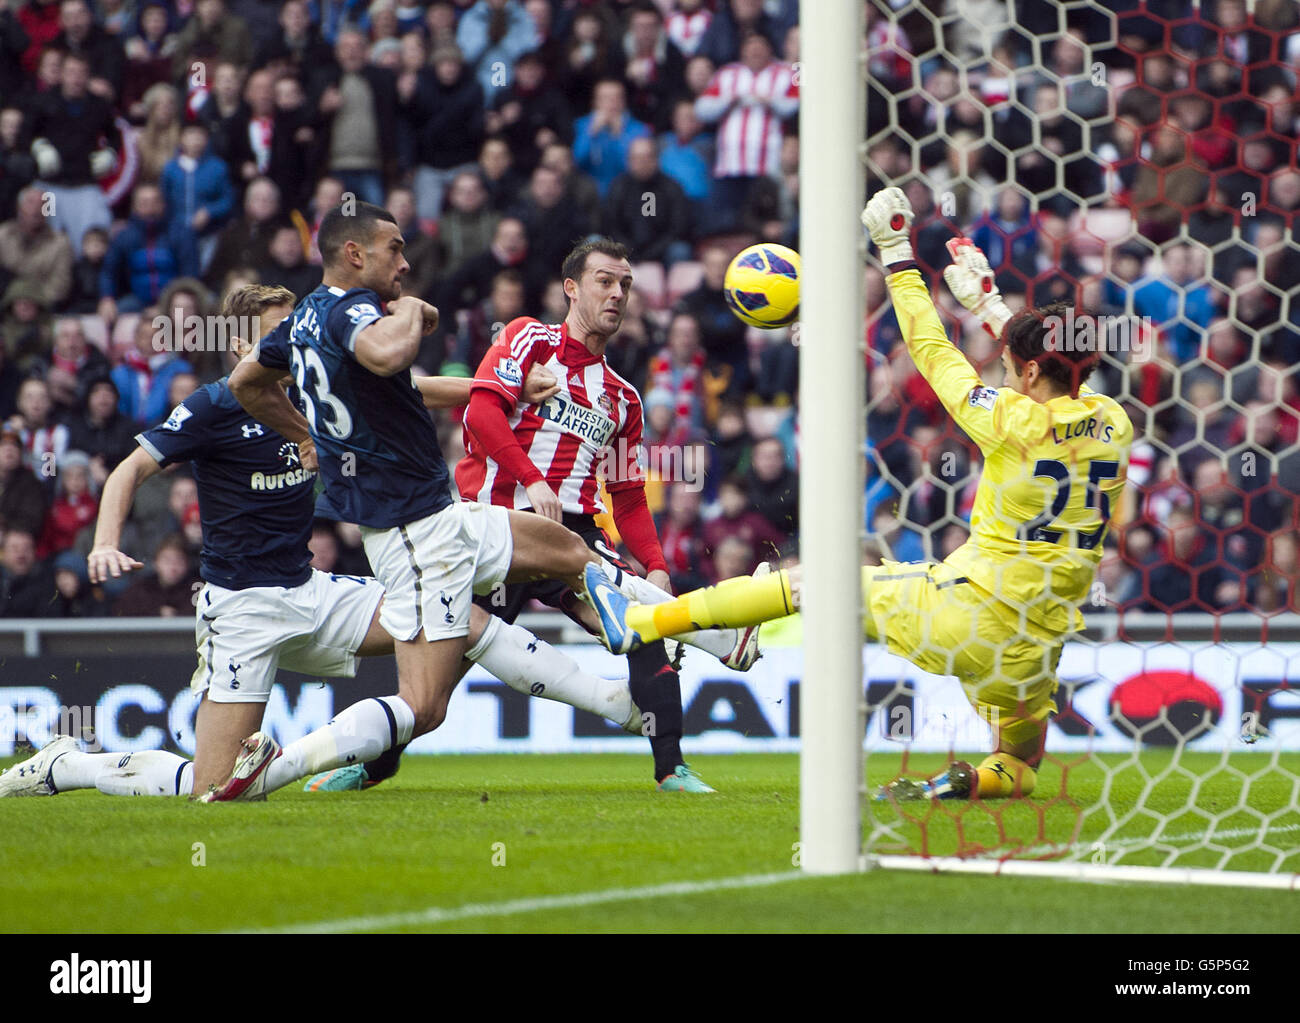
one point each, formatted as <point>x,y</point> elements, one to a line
<point>287,264</point>
<point>628,352</point>
<point>729,443</point>
<point>26,585</point>
<point>334,15</point>
<point>44,440</point>
<point>687,24</point>
<point>578,187</point>
<point>17,168</point>
<point>445,113</point>
<point>591,55</point>
<point>25,327</point>
<point>83,299</point>
<point>1008,239</point>
<point>101,431</point>
<point>504,303</point>
<point>13,41</point>
<point>723,40</point>
<point>655,70</point>
<point>680,536</point>
<point>167,591</point>
<point>530,114</point>
<point>359,102</point>
<point>10,380</point>
<point>647,210</point>
<point>145,256</point>
<point>1185,572</point>
<point>552,220</point>
<point>225,114</point>
<point>197,189</point>
<point>297,48</point>
<point>493,34</point>
<point>757,87</point>
<point>145,375</point>
<point>678,371</point>
<point>721,332</point>
<point>738,521</point>
<point>149,50</point>
<point>67,126</point>
<point>467,225</point>
<point>246,240</point>
<point>23,499</point>
<point>731,557</point>
<point>74,509</point>
<point>686,156</point>
<point>158,140</point>
<point>601,138</point>
<point>327,195</point>
<point>212,33</point>
<point>773,487</point>
<point>81,37</point>
<point>256,143</point>
<point>39,22</point>
<point>498,174</point>
<point>32,251</point>
<point>74,363</point>
<point>297,142</point>
<point>470,284</point>
<point>421,250</point>
<point>1177,300</point>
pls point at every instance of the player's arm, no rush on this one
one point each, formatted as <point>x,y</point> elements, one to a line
<point>486,420</point>
<point>105,559</point>
<point>388,345</point>
<point>631,513</point>
<point>257,388</point>
<point>888,219</point>
<point>453,392</point>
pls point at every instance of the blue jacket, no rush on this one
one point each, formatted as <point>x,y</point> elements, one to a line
<point>688,166</point>
<point>151,407</point>
<point>208,187</point>
<point>1159,299</point>
<point>494,62</point>
<point>146,260</point>
<point>604,156</point>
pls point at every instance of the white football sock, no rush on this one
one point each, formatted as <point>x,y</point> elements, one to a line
<point>524,663</point>
<point>718,642</point>
<point>147,773</point>
<point>152,772</point>
<point>357,734</point>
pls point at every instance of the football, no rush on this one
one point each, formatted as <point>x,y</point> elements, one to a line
<point>762,285</point>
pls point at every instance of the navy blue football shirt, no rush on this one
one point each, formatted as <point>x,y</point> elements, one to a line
<point>378,449</point>
<point>255,498</point>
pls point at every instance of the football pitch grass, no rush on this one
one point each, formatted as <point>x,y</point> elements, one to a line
<point>533,843</point>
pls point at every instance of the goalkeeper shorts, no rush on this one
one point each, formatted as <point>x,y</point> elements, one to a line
<point>933,616</point>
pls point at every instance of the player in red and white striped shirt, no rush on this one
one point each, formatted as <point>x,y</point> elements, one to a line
<point>550,458</point>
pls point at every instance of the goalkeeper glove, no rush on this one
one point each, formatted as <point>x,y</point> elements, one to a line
<point>888,220</point>
<point>970,279</point>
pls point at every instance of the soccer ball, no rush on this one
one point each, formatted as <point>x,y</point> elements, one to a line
<point>762,285</point>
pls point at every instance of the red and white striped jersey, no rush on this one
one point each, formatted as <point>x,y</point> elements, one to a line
<point>590,430</point>
<point>751,107</point>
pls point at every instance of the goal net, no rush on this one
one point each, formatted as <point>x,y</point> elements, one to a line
<point>1140,165</point>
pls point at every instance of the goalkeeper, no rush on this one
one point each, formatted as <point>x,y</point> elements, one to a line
<point>996,612</point>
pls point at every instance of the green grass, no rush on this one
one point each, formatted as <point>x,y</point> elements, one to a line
<point>581,824</point>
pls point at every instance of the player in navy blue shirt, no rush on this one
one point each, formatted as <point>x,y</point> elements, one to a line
<point>263,607</point>
<point>350,347</point>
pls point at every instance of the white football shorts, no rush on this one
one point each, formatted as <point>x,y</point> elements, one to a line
<point>431,568</point>
<point>244,636</point>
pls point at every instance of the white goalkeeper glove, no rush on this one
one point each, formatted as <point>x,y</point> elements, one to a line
<point>102,162</point>
<point>48,162</point>
<point>888,220</point>
<point>970,279</point>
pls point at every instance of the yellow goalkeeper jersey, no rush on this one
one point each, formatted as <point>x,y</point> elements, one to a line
<point>1053,473</point>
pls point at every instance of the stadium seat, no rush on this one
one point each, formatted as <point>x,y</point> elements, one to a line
<point>651,281</point>
<point>684,278</point>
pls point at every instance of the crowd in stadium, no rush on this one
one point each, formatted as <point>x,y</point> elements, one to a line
<point>1138,159</point>
<point>155,155</point>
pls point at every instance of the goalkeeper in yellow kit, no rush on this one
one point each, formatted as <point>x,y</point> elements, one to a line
<point>996,611</point>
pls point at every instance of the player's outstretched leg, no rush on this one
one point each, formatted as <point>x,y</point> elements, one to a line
<point>732,603</point>
<point>62,766</point>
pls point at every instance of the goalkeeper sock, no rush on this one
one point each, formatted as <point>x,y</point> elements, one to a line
<point>718,642</point>
<point>151,772</point>
<point>998,775</point>
<point>529,666</point>
<point>732,603</point>
<point>359,733</point>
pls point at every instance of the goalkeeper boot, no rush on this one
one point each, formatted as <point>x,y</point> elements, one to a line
<point>611,608</point>
<point>351,778</point>
<point>746,652</point>
<point>247,782</point>
<point>683,779</point>
<point>34,776</point>
<point>954,783</point>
